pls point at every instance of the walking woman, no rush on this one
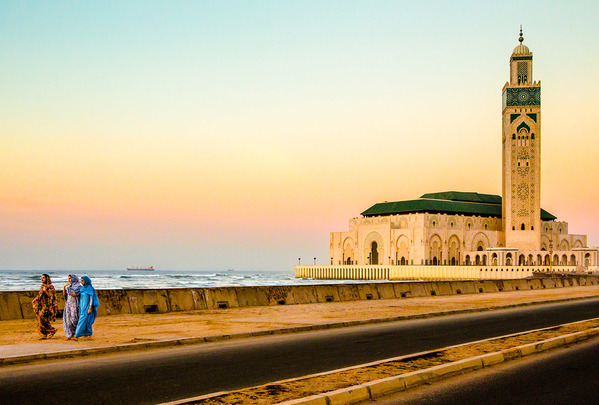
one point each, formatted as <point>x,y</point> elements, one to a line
<point>88,308</point>
<point>45,308</point>
<point>70,315</point>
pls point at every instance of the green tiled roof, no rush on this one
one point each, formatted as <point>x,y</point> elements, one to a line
<point>467,197</point>
<point>451,202</point>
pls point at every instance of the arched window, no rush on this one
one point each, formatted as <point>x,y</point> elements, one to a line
<point>522,227</point>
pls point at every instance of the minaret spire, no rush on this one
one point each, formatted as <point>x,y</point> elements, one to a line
<point>521,39</point>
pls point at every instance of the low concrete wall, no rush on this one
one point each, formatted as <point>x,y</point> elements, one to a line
<point>17,304</point>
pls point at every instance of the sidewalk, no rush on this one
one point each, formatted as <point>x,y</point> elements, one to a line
<point>19,337</point>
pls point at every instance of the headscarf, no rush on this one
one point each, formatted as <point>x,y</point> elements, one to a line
<point>89,290</point>
<point>75,285</point>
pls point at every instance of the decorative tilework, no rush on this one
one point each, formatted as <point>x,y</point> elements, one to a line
<point>522,96</point>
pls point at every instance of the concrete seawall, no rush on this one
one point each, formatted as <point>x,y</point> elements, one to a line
<point>17,304</point>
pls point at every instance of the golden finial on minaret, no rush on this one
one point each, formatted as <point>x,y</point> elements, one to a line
<point>521,39</point>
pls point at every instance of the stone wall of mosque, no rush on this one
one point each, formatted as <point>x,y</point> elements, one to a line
<point>441,239</point>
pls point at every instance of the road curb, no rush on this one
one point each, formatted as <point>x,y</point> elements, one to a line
<point>412,379</point>
<point>127,347</point>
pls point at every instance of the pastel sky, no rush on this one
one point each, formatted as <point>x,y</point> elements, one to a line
<point>210,135</point>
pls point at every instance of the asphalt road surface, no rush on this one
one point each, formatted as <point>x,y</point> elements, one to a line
<point>168,374</point>
<point>568,376</point>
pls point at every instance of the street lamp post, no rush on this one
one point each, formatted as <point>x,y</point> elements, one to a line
<point>299,261</point>
<point>315,261</point>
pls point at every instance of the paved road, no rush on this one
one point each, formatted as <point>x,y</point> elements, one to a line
<point>568,376</point>
<point>169,374</point>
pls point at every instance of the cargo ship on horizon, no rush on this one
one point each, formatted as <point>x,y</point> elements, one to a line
<point>149,268</point>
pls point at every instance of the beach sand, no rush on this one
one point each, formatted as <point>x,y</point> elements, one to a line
<point>20,336</point>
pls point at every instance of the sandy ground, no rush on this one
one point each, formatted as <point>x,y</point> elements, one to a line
<point>20,337</point>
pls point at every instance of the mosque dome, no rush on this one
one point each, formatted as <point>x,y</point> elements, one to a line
<point>521,50</point>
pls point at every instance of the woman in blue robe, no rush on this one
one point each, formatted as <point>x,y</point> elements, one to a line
<point>88,308</point>
<point>70,315</point>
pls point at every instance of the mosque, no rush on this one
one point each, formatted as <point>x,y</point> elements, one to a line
<point>467,228</point>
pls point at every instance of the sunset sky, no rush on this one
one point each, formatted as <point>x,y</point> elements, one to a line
<point>210,135</point>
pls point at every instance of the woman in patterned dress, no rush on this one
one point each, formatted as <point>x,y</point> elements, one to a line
<point>70,315</point>
<point>45,308</point>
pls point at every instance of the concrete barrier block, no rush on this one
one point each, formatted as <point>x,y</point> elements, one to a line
<point>304,294</point>
<point>327,293</point>
<point>431,289</point>
<point>490,286</point>
<point>520,285</point>
<point>25,300</point>
<point>461,287</point>
<point>221,297</point>
<point>385,291</point>
<point>252,296</point>
<point>535,284</point>
<point>469,287</point>
<point>156,301</point>
<point>349,395</point>
<point>385,386</point>
<point>180,299</point>
<point>279,295</point>
<point>113,302</point>
<point>348,292</point>
<point>368,292</point>
<point>479,286</point>
<point>10,307</point>
<point>508,285</point>
<point>136,301</point>
<point>444,288</point>
<point>199,298</point>
<point>402,290</point>
<point>419,289</point>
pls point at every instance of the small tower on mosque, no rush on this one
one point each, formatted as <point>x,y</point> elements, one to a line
<point>521,123</point>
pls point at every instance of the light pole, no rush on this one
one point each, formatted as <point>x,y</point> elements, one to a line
<point>299,261</point>
<point>315,261</point>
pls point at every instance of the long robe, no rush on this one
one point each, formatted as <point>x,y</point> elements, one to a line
<point>45,307</point>
<point>70,315</point>
<point>87,299</point>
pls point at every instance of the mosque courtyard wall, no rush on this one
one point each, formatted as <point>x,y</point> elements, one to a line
<point>440,239</point>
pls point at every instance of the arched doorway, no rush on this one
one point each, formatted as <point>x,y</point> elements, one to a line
<point>374,253</point>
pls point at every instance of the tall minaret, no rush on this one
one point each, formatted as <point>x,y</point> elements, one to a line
<point>521,122</point>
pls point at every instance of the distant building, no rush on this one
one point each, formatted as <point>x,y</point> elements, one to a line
<point>457,228</point>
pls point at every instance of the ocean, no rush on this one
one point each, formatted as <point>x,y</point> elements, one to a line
<point>29,280</point>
